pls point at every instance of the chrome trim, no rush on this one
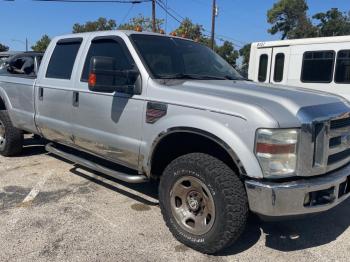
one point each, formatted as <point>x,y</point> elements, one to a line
<point>287,199</point>
<point>200,132</point>
<point>129,178</point>
<point>314,150</point>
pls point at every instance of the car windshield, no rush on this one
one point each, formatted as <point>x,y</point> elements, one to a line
<point>174,58</point>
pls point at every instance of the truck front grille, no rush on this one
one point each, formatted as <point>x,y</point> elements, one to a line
<point>339,123</point>
<point>339,143</point>
<point>338,157</point>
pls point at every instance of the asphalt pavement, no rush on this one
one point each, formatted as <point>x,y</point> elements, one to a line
<point>52,210</point>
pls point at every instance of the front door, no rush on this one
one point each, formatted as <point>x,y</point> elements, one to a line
<point>105,124</point>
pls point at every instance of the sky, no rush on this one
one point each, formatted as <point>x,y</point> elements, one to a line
<point>238,21</point>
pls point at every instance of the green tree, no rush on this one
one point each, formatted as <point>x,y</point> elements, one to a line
<point>42,44</point>
<point>100,24</point>
<point>289,18</point>
<point>333,23</point>
<point>140,21</point>
<point>228,52</point>
<point>245,54</point>
<point>190,30</point>
<point>3,48</point>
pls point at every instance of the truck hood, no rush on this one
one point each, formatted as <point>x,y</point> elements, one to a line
<point>282,103</point>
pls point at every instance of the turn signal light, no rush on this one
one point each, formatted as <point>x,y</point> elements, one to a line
<point>274,149</point>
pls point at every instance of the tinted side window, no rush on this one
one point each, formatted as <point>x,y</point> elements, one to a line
<point>21,65</point>
<point>108,48</point>
<point>342,71</point>
<point>62,59</point>
<point>279,67</point>
<point>318,67</point>
<point>263,68</point>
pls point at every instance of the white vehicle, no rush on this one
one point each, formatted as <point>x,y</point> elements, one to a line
<point>317,63</point>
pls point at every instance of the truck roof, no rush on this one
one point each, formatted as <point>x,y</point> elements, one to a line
<point>304,41</point>
<point>126,32</point>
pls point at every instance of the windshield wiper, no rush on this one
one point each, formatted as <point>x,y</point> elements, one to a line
<point>228,77</point>
<point>190,76</point>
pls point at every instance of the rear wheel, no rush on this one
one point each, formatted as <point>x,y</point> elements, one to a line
<point>11,138</point>
<point>203,202</point>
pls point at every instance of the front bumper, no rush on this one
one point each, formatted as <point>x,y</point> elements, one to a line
<point>299,197</point>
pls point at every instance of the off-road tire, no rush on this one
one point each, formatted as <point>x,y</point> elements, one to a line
<point>229,195</point>
<point>13,143</point>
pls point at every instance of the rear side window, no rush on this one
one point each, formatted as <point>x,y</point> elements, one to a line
<point>342,71</point>
<point>263,68</point>
<point>63,58</point>
<point>279,67</point>
<point>108,48</point>
<point>318,67</point>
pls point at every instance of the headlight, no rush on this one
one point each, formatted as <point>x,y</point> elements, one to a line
<point>276,150</point>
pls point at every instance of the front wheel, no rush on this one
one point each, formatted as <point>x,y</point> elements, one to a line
<point>203,202</point>
<point>11,138</point>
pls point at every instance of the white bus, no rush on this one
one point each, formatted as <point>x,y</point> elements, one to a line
<point>317,63</point>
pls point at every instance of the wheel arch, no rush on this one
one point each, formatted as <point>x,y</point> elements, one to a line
<point>229,156</point>
<point>2,104</point>
<point>4,100</point>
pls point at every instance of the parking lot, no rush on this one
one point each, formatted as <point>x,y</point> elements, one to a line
<point>52,210</point>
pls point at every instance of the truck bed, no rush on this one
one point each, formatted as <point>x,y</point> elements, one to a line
<point>18,93</point>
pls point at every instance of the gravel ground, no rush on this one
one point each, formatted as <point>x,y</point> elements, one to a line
<point>52,210</point>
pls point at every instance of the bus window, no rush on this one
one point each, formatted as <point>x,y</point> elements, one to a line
<point>317,67</point>
<point>263,68</point>
<point>279,67</point>
<point>342,70</point>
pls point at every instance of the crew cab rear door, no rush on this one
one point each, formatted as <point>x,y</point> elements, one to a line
<point>54,91</point>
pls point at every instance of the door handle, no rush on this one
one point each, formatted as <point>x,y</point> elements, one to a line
<point>75,99</point>
<point>41,93</point>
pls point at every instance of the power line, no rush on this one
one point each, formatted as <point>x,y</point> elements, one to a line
<point>168,7</point>
<point>127,14</point>
<point>220,37</point>
<point>97,1</point>
<point>167,11</point>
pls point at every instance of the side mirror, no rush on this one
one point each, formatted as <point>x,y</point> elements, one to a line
<point>104,77</point>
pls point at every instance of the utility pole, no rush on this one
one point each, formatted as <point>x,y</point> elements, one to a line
<point>26,44</point>
<point>214,14</point>
<point>153,15</point>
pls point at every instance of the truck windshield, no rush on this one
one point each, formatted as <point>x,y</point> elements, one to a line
<point>174,58</point>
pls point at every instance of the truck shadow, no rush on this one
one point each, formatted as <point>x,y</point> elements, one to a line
<point>283,236</point>
<point>148,189</point>
<point>297,234</point>
<point>32,146</point>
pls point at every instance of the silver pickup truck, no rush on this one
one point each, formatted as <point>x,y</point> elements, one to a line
<point>140,106</point>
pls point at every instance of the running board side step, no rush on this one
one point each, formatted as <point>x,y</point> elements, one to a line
<point>129,178</point>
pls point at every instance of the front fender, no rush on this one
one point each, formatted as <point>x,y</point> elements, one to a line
<point>224,129</point>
